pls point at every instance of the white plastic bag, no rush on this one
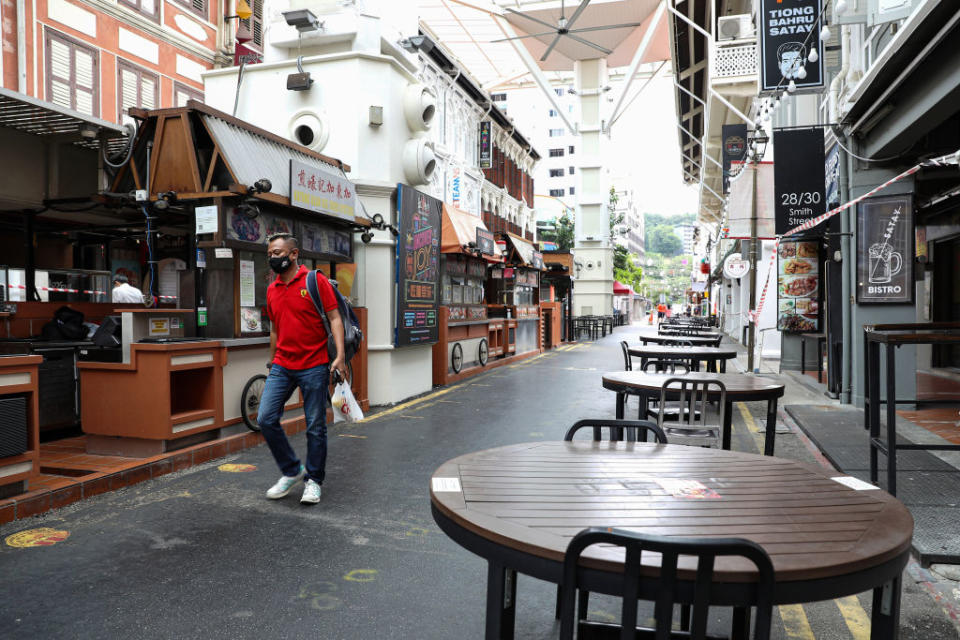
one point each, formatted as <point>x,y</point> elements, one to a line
<point>345,406</point>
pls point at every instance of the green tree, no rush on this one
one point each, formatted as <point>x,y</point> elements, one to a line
<point>621,257</point>
<point>616,219</point>
<point>661,239</point>
<point>625,269</point>
<point>564,233</point>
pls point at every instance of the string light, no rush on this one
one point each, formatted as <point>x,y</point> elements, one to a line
<point>840,7</point>
<point>814,56</point>
<point>792,86</point>
<point>825,32</point>
<point>802,73</point>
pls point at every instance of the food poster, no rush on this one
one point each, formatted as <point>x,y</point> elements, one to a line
<point>798,286</point>
<point>418,267</point>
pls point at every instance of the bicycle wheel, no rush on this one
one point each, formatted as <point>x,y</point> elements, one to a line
<point>250,401</point>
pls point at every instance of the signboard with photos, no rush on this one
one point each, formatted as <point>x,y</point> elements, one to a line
<point>885,238</point>
<point>785,46</point>
<point>798,286</point>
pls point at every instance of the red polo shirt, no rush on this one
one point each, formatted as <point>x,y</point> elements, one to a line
<point>301,338</point>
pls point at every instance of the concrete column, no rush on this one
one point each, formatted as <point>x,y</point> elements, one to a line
<point>593,249</point>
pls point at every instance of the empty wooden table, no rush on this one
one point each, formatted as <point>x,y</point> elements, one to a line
<point>700,341</point>
<point>740,388</point>
<point>518,506</point>
<point>695,355</point>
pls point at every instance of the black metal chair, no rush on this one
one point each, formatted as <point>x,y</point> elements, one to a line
<point>693,421</point>
<point>703,591</point>
<point>616,429</point>
<point>627,360</point>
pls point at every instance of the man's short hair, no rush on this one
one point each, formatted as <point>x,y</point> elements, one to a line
<point>790,47</point>
<point>288,238</point>
<point>122,279</point>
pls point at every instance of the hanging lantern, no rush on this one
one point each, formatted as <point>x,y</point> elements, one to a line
<point>704,267</point>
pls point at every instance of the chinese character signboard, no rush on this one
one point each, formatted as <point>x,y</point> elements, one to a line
<point>734,149</point>
<point>486,145</point>
<point>785,47</point>
<point>798,177</point>
<point>798,286</point>
<point>418,273</point>
<point>884,250</point>
<point>320,189</point>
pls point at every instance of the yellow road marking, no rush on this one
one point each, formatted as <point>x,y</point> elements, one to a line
<point>751,426</point>
<point>415,402</point>
<point>361,575</point>
<point>348,435</point>
<point>795,622</point>
<point>855,617</point>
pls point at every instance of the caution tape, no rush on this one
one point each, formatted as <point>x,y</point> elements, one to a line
<point>809,224</point>
<point>83,291</point>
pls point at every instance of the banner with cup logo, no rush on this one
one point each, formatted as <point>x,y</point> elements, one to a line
<point>885,250</point>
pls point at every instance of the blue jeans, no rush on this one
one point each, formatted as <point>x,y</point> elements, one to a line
<point>313,386</point>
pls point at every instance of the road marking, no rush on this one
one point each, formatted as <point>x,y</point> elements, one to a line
<point>751,426</point>
<point>361,575</point>
<point>856,618</point>
<point>237,468</point>
<point>349,435</point>
<point>795,622</point>
<point>404,415</point>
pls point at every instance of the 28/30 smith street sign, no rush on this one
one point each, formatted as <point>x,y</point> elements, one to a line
<point>785,47</point>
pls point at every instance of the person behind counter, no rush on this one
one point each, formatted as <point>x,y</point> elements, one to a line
<point>124,293</point>
<point>298,358</point>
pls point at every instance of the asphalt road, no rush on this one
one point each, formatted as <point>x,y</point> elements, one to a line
<point>202,553</point>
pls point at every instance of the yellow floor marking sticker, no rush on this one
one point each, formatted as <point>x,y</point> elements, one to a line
<point>361,575</point>
<point>42,537</point>
<point>856,618</point>
<point>237,468</point>
<point>795,622</point>
<point>751,426</point>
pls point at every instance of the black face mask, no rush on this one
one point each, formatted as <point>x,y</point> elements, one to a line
<point>280,263</point>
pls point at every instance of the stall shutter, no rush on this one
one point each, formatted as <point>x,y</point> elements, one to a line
<point>72,74</point>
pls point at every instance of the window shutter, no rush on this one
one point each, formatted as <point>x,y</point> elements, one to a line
<point>60,80</point>
<point>148,92</point>
<point>200,6</point>
<point>257,22</point>
<point>128,90</point>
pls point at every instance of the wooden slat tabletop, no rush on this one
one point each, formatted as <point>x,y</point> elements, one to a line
<point>740,386</point>
<point>534,497</point>
<point>656,351</point>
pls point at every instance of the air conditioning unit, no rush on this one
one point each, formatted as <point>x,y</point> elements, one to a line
<point>735,27</point>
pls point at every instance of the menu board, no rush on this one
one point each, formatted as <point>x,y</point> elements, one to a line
<point>418,267</point>
<point>798,287</point>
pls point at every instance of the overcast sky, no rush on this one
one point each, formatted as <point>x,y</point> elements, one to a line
<point>645,141</point>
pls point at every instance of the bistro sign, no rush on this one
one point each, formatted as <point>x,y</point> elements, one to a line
<point>884,250</point>
<point>319,189</point>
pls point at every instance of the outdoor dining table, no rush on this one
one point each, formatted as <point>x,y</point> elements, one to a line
<point>828,536</point>
<point>694,355</point>
<point>703,341</point>
<point>740,387</point>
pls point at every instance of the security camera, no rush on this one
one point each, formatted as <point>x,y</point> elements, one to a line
<point>249,209</point>
<point>263,185</point>
<point>378,221</point>
<point>412,43</point>
<point>302,19</point>
<point>366,237</point>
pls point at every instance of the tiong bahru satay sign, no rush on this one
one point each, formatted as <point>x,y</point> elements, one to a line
<point>885,250</point>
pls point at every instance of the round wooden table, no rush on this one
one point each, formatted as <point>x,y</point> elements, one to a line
<point>519,506</point>
<point>694,355</point>
<point>741,387</point>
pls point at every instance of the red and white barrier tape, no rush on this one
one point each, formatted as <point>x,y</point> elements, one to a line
<point>809,224</point>
<point>83,291</point>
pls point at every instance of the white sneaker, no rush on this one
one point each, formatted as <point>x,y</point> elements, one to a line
<point>284,485</point>
<point>311,493</point>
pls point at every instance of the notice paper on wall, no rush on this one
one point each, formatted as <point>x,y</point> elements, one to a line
<point>247,282</point>
<point>159,327</point>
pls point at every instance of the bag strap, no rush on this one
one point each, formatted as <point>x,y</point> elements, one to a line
<point>313,288</point>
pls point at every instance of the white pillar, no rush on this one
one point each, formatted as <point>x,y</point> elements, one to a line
<point>593,293</point>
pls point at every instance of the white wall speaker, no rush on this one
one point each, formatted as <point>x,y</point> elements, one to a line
<point>309,128</point>
<point>419,161</point>
<point>419,107</point>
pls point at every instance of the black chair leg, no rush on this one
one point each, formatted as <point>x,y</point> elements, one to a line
<point>556,614</point>
<point>583,599</point>
<point>684,617</point>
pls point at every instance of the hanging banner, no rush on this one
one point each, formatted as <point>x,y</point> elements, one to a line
<point>418,258</point>
<point>486,145</point>
<point>885,250</point>
<point>741,201</point>
<point>734,149</point>
<point>784,46</point>
<point>798,286</point>
<point>798,177</point>
<point>831,170</point>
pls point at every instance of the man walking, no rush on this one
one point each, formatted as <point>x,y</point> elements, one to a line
<point>123,293</point>
<point>298,358</point>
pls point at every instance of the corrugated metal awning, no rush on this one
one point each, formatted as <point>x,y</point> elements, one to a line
<point>252,156</point>
<point>36,117</point>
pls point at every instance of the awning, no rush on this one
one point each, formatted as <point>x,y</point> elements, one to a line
<point>620,289</point>
<point>27,114</point>
<point>459,230</point>
<point>527,253</point>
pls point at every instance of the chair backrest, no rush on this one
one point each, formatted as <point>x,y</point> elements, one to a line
<point>627,360</point>
<point>666,366</point>
<point>716,341</point>
<point>617,429</point>
<point>703,591</point>
<point>695,412</point>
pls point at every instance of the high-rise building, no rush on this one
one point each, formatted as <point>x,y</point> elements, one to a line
<point>686,234</point>
<point>630,232</point>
